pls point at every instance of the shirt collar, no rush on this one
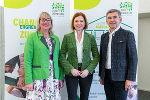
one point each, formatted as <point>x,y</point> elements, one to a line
<point>76,35</point>
<point>115,30</point>
<point>40,34</point>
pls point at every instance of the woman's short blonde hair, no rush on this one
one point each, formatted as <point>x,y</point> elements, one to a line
<point>38,22</point>
<point>76,15</point>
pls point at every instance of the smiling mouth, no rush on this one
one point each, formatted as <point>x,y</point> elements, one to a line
<point>45,25</point>
<point>112,23</point>
<point>79,26</point>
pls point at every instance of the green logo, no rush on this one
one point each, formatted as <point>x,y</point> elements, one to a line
<point>126,6</point>
<point>59,7</point>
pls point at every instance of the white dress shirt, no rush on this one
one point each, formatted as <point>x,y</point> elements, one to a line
<point>108,60</point>
<point>79,46</point>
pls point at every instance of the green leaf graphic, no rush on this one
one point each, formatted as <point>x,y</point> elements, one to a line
<point>16,4</point>
<point>85,4</point>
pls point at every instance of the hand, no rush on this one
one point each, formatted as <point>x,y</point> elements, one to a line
<point>61,83</point>
<point>21,82</point>
<point>29,87</point>
<point>75,72</point>
<point>21,70</point>
<point>9,88</point>
<point>101,81</point>
<point>84,73</point>
<point>128,85</point>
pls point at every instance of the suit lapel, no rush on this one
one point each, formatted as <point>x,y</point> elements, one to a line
<point>106,40</point>
<point>116,35</point>
<point>44,41</point>
<point>53,44</point>
<point>85,42</point>
<point>74,41</point>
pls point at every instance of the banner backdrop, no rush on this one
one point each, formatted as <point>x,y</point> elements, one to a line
<point>95,11</point>
<point>20,18</point>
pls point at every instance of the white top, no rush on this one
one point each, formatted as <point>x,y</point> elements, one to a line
<point>108,60</point>
<point>79,46</point>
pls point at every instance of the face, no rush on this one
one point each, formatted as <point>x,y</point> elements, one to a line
<point>45,23</point>
<point>79,23</point>
<point>113,20</point>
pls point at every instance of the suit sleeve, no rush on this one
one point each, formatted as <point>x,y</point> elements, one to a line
<point>101,57</point>
<point>95,55</point>
<point>63,61</point>
<point>132,57</point>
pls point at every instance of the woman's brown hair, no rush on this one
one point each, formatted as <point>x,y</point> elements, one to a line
<point>76,15</point>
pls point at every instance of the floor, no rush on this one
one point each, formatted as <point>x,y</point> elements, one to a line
<point>143,95</point>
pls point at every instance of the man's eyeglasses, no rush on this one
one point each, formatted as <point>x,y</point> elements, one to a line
<point>43,19</point>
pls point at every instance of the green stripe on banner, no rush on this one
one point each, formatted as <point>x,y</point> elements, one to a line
<point>126,25</point>
<point>96,20</point>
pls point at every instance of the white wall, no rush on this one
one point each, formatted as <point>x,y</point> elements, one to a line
<point>2,3</point>
<point>144,53</point>
<point>144,6</point>
<point>144,45</point>
<point>1,53</point>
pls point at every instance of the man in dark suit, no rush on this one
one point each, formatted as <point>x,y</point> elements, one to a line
<point>118,58</point>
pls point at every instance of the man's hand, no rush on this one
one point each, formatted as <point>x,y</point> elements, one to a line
<point>101,81</point>
<point>128,85</point>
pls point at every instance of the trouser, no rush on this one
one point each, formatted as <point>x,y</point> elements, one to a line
<point>115,90</point>
<point>72,85</point>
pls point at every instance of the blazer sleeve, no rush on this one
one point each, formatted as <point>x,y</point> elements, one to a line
<point>61,74</point>
<point>132,57</point>
<point>95,55</point>
<point>62,59</point>
<point>28,56</point>
<point>101,57</point>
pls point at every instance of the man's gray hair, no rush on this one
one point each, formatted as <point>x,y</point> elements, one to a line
<point>114,10</point>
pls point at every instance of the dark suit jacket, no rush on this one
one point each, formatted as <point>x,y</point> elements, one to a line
<point>123,55</point>
<point>69,49</point>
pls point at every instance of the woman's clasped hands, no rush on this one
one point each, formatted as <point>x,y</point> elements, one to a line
<point>76,73</point>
